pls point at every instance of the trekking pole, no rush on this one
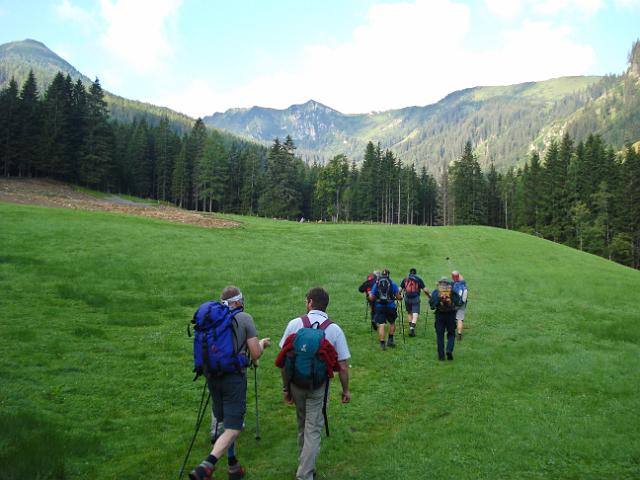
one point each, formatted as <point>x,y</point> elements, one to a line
<point>404,340</point>
<point>255,386</point>
<point>366,314</point>
<point>201,411</point>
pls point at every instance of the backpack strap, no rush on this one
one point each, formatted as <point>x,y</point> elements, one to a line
<point>306,323</point>
<point>324,325</point>
<point>324,405</point>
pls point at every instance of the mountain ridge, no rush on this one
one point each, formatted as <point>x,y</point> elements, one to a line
<point>20,57</point>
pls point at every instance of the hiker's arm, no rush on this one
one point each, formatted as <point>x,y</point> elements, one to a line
<point>256,347</point>
<point>427,293</point>
<point>286,394</point>
<point>344,380</point>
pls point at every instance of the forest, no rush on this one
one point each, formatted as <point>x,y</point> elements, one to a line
<point>585,195</point>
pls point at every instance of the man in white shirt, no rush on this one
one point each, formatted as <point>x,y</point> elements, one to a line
<point>309,403</point>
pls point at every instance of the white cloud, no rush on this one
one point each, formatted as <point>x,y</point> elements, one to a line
<point>555,7</point>
<point>65,10</point>
<point>137,31</point>
<point>504,8</point>
<point>407,54</point>
<point>195,98</point>
<point>631,4</point>
<point>536,51</point>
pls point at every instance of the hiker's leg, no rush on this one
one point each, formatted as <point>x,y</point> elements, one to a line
<point>451,331</point>
<point>314,422</point>
<point>224,442</point>
<point>380,319</point>
<point>299,396</point>
<point>440,327</point>
<point>460,319</point>
<point>234,407</point>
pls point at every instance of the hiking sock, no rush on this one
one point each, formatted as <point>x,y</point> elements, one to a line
<point>231,452</point>
<point>382,344</point>
<point>390,338</point>
<point>212,460</point>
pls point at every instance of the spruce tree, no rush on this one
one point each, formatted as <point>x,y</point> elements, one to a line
<point>30,127</point>
<point>96,163</point>
<point>9,128</point>
<point>56,129</point>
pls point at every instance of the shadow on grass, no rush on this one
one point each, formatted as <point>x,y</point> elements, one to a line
<point>33,448</point>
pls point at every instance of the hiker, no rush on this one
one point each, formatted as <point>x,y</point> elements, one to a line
<point>384,294</point>
<point>442,302</point>
<point>224,328</point>
<point>298,365</point>
<point>460,288</point>
<point>365,288</point>
<point>412,285</point>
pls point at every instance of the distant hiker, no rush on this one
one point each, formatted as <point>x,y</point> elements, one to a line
<point>461,292</point>
<point>312,348</point>
<point>224,334</point>
<point>384,294</point>
<point>365,288</point>
<point>412,285</point>
<point>442,302</point>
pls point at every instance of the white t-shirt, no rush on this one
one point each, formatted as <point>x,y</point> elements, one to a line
<point>333,333</point>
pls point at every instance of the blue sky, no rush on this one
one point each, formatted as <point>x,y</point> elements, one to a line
<point>203,56</point>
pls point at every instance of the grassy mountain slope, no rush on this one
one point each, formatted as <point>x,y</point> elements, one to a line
<point>18,58</point>
<point>96,371</point>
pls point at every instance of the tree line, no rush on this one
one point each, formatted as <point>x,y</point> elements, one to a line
<point>583,195</point>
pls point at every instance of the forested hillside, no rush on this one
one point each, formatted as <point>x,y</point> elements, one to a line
<point>503,123</point>
<point>17,59</point>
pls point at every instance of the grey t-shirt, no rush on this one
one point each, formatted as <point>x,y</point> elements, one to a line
<point>243,328</point>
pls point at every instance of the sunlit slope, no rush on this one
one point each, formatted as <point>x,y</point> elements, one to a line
<point>94,352</point>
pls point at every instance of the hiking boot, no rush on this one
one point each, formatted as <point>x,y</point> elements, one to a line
<point>236,472</point>
<point>201,472</point>
<point>412,332</point>
<point>383,346</point>
<point>391,344</point>
<point>441,359</point>
<point>449,355</point>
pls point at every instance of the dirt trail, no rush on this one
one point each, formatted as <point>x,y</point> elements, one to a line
<point>50,193</point>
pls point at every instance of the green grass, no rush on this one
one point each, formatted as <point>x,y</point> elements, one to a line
<point>95,364</point>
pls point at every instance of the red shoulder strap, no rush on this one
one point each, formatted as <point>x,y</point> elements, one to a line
<point>325,324</point>
<point>306,323</point>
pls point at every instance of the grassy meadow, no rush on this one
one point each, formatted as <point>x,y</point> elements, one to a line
<point>95,363</point>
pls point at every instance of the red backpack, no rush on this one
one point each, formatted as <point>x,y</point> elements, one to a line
<point>411,286</point>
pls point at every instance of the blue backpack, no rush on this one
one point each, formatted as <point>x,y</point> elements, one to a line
<point>460,293</point>
<point>213,341</point>
<point>303,366</point>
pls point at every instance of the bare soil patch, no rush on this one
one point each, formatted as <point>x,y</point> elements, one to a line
<point>50,193</point>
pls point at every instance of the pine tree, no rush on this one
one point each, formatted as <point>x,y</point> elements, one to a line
<point>56,130</point>
<point>494,217</point>
<point>30,127</point>
<point>78,122</point>
<point>9,128</point>
<point>96,163</point>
